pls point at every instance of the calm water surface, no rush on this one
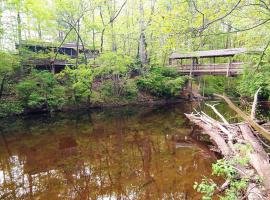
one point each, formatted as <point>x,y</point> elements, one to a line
<point>124,153</point>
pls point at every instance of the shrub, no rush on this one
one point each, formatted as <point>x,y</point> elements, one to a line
<point>10,108</point>
<point>250,82</point>
<point>237,185</point>
<point>112,64</point>
<point>79,82</point>
<point>25,89</point>
<point>165,71</point>
<point>126,89</point>
<point>130,89</point>
<point>162,82</point>
<point>39,90</point>
<point>219,85</point>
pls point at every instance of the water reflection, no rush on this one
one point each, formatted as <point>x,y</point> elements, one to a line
<point>128,153</point>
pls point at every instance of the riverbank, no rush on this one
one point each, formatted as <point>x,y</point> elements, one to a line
<point>42,91</point>
<point>149,101</point>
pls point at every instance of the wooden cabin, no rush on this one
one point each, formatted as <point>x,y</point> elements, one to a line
<point>204,62</point>
<point>68,49</point>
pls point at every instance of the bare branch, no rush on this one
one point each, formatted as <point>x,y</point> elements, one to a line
<point>203,17</point>
<point>218,113</point>
<point>224,16</point>
<point>262,55</point>
<point>239,30</point>
<point>118,12</point>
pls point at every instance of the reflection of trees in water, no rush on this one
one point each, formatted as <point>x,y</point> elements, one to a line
<point>141,156</point>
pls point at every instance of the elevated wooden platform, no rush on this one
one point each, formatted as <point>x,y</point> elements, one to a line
<point>225,69</point>
<point>194,62</point>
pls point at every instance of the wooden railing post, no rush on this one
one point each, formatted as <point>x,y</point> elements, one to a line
<point>170,61</point>
<point>192,67</point>
<point>228,67</point>
<point>214,61</point>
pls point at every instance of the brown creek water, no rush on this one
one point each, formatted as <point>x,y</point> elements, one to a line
<point>112,154</point>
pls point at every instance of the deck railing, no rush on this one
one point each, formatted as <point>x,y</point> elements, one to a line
<point>217,68</point>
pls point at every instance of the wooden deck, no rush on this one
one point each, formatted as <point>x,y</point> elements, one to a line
<point>225,69</point>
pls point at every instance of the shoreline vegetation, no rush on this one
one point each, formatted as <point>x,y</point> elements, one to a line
<point>60,55</point>
<point>110,84</point>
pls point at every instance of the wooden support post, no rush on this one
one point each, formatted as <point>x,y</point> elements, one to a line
<point>228,67</point>
<point>214,62</point>
<point>192,67</point>
<point>170,61</point>
<point>203,85</point>
<point>191,92</point>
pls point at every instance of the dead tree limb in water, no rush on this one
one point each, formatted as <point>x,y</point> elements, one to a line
<point>225,136</point>
<point>251,122</point>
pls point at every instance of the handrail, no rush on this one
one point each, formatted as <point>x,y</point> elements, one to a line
<point>210,66</point>
<point>227,69</point>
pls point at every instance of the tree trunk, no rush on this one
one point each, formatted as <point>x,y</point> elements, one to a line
<point>19,28</point>
<point>102,40</point>
<point>114,46</point>
<point>77,43</point>
<point>103,30</point>
<point>2,86</point>
<point>142,50</point>
<point>93,31</point>
<point>142,40</point>
<point>39,31</point>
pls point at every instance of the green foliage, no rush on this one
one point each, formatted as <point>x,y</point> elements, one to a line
<point>250,82</point>
<point>206,187</point>
<point>80,81</point>
<point>8,63</point>
<point>112,63</point>
<point>113,71</point>
<point>41,89</point>
<point>8,67</point>
<point>127,90</point>
<point>130,89</point>
<point>10,108</point>
<point>25,89</point>
<point>162,82</point>
<point>243,150</point>
<point>226,169</point>
<point>165,71</point>
<point>218,84</point>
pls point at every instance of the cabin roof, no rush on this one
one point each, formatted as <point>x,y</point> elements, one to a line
<point>69,45</point>
<point>209,53</point>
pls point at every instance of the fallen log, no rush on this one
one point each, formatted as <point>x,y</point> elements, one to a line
<point>258,158</point>
<point>251,122</point>
<point>225,136</point>
<point>217,138</point>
